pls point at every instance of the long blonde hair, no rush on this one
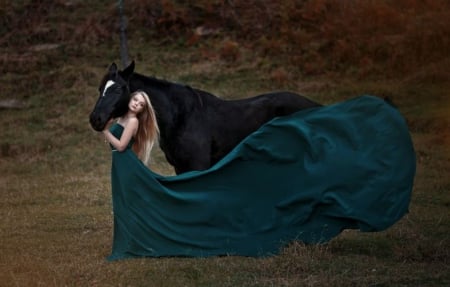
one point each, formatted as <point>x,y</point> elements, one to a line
<point>148,130</point>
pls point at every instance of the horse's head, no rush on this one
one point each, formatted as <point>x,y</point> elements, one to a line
<point>114,96</point>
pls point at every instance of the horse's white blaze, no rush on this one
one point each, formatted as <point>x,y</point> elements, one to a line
<point>107,86</point>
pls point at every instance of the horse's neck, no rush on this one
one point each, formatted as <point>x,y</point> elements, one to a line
<point>166,93</point>
<point>155,89</point>
<point>171,100</point>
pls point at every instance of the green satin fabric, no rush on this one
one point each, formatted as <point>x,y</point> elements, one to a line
<point>303,177</point>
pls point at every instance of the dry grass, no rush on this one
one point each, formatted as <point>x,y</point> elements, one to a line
<point>55,212</point>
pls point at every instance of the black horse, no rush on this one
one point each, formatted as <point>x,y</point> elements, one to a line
<point>197,129</point>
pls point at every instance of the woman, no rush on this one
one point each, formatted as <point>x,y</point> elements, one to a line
<point>303,177</point>
<point>138,128</point>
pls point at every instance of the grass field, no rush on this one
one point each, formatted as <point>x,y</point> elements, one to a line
<point>56,213</point>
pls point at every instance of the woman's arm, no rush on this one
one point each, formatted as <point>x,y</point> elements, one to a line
<point>128,132</point>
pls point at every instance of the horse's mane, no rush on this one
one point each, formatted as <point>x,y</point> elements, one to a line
<point>153,81</point>
<point>165,85</point>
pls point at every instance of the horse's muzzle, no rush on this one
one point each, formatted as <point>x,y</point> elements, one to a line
<point>96,121</point>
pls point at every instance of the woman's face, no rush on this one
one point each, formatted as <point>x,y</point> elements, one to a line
<point>137,104</point>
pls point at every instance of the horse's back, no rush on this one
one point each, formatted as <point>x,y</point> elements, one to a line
<point>288,98</point>
<point>229,122</point>
<point>276,104</point>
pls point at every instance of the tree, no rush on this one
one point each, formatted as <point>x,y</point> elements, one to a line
<point>124,56</point>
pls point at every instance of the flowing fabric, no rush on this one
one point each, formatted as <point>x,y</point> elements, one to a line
<point>305,177</point>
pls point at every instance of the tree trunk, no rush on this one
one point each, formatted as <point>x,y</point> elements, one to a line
<point>123,36</point>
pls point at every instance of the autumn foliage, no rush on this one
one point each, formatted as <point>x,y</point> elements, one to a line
<point>361,37</point>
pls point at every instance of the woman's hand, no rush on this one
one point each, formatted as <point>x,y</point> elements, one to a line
<point>108,124</point>
<point>106,131</point>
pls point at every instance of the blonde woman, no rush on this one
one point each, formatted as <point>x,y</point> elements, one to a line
<point>137,129</point>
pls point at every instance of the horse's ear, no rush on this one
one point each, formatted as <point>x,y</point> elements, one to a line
<point>113,68</point>
<point>128,70</point>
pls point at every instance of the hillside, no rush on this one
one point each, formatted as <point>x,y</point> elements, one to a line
<point>360,38</point>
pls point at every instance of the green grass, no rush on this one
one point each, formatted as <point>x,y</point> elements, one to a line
<point>56,208</point>
<point>55,211</point>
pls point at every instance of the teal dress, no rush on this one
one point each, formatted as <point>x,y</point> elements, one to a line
<point>305,177</point>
